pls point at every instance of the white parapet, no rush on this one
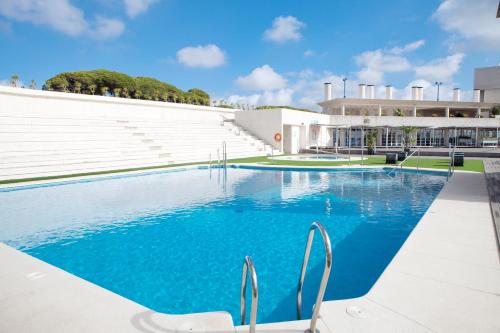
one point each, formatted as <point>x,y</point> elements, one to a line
<point>389,92</point>
<point>328,91</point>
<point>362,90</point>
<point>456,95</point>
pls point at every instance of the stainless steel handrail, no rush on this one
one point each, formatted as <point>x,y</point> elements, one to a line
<point>248,266</point>
<point>224,153</point>
<point>324,279</point>
<point>400,165</point>
<point>451,165</point>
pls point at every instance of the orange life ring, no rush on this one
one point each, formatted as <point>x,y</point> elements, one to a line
<point>277,136</point>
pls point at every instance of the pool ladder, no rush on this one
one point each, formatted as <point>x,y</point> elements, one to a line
<point>248,266</point>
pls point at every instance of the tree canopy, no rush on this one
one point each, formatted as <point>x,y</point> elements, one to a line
<point>109,83</point>
<point>264,107</point>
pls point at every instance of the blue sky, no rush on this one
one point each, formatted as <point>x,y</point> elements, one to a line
<point>256,52</point>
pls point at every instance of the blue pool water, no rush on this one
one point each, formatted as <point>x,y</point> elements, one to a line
<point>175,241</point>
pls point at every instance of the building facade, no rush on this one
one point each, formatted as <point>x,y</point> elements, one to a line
<point>346,122</point>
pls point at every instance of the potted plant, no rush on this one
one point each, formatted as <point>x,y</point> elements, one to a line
<point>495,111</point>
<point>398,113</point>
<point>371,139</point>
<point>408,137</point>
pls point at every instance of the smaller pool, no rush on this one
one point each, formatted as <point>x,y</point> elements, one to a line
<point>318,157</point>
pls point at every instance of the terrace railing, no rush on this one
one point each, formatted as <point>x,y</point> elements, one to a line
<point>324,280</point>
<point>249,267</point>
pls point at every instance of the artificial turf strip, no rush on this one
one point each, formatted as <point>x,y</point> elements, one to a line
<point>431,163</point>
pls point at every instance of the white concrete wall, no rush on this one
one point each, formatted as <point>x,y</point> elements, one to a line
<point>262,123</point>
<point>21,101</point>
<point>492,96</point>
<point>306,122</point>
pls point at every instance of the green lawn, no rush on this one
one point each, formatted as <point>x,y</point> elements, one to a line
<point>433,163</point>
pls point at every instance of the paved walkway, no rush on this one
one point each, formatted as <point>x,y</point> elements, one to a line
<point>445,278</point>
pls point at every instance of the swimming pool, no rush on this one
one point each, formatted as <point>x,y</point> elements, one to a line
<point>175,241</point>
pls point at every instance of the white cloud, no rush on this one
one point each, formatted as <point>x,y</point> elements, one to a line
<point>471,21</point>
<point>309,53</point>
<point>441,69</point>
<point>107,28</point>
<point>284,29</point>
<point>5,28</point>
<point>262,78</point>
<point>275,97</point>
<point>207,56</point>
<point>136,7</point>
<point>62,16</point>
<point>374,64</point>
<point>410,47</point>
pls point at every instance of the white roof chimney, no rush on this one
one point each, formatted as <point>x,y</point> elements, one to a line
<point>456,95</point>
<point>389,91</point>
<point>420,93</point>
<point>362,90</point>
<point>414,93</point>
<point>370,91</point>
<point>328,91</point>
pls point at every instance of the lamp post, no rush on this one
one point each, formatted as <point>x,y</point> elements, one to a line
<point>438,84</point>
<point>344,79</point>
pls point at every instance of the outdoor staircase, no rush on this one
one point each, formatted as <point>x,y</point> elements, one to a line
<point>39,145</point>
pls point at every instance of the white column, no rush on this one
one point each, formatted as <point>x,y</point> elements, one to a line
<point>414,111</point>
<point>336,140</point>
<point>380,110</point>
<point>447,112</point>
<point>342,110</point>
<point>478,112</point>
<point>386,137</point>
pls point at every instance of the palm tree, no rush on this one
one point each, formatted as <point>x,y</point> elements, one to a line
<point>33,84</point>
<point>408,137</point>
<point>92,88</point>
<point>14,79</point>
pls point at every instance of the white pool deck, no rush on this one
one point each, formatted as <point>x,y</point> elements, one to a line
<point>445,278</point>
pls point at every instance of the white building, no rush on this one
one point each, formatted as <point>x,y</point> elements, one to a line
<point>346,121</point>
